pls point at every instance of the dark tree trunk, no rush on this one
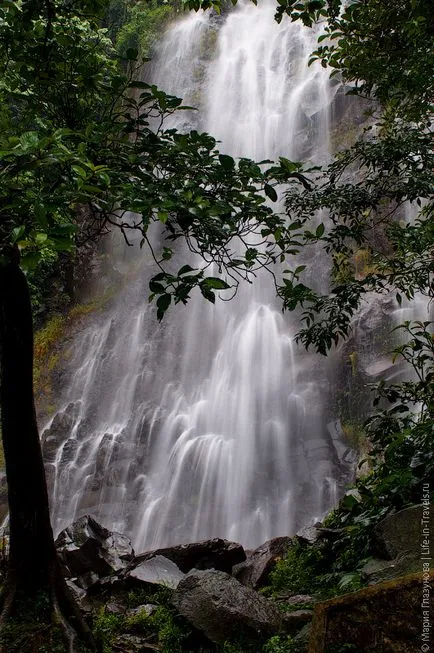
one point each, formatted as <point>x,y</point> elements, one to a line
<point>33,569</point>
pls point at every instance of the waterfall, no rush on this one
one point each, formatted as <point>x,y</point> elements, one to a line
<point>213,423</point>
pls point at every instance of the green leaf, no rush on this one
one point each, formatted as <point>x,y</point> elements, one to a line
<point>215,283</point>
<point>41,238</point>
<point>17,233</point>
<point>185,269</point>
<point>81,172</point>
<point>270,192</point>
<point>207,293</point>
<point>163,303</point>
<point>320,230</point>
<point>41,215</point>
<point>29,140</point>
<point>61,244</point>
<point>30,260</point>
<point>156,287</point>
<point>227,162</point>
<point>299,269</point>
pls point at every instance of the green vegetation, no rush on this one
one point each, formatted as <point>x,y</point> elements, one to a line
<point>401,463</point>
<point>142,24</point>
<point>78,155</point>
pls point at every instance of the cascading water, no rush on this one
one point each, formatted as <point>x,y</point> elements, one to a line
<point>213,424</point>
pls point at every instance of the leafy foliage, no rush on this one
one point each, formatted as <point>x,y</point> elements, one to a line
<point>139,24</point>
<point>97,157</point>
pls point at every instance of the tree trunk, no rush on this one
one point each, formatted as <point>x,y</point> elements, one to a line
<point>34,569</point>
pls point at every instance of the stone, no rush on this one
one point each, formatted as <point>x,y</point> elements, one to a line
<point>58,431</point>
<point>317,534</point>
<point>300,641</point>
<point>89,551</point>
<point>146,574</point>
<point>256,569</point>
<point>297,599</point>
<point>114,608</point>
<point>309,534</point>
<point>223,609</point>
<point>156,571</point>
<point>378,570</point>
<point>80,596</point>
<point>134,644</point>
<point>401,533</point>
<point>295,620</point>
<point>147,608</point>
<point>77,592</point>
<point>216,554</point>
<point>388,617</point>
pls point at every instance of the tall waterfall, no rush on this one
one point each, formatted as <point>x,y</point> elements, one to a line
<point>213,423</point>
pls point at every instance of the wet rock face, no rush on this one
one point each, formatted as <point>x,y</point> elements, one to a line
<point>255,571</point>
<point>58,432</point>
<point>89,551</point>
<point>222,608</point>
<point>217,554</point>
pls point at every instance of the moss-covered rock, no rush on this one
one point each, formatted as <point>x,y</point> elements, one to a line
<point>384,618</point>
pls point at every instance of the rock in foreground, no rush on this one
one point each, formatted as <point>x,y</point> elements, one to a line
<point>385,617</point>
<point>224,609</point>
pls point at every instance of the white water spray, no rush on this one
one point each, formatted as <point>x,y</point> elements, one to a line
<point>215,423</point>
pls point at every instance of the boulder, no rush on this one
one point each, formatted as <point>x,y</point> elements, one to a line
<point>146,574</point>
<point>317,534</point>
<point>297,599</point>
<point>255,571</point>
<point>402,532</point>
<point>295,620</point>
<point>155,571</point>
<point>393,616</point>
<point>378,570</point>
<point>222,608</point>
<point>89,551</point>
<point>216,554</point>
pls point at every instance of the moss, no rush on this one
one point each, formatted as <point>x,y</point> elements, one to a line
<point>354,434</point>
<point>164,627</point>
<point>49,345</point>
<point>106,626</point>
<point>356,265</point>
<point>33,628</point>
<point>388,611</point>
<point>363,263</point>
<point>283,644</point>
<point>342,268</point>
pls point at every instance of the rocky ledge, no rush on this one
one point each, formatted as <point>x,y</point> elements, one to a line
<point>214,587</point>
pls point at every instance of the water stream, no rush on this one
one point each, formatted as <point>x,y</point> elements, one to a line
<point>215,423</point>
